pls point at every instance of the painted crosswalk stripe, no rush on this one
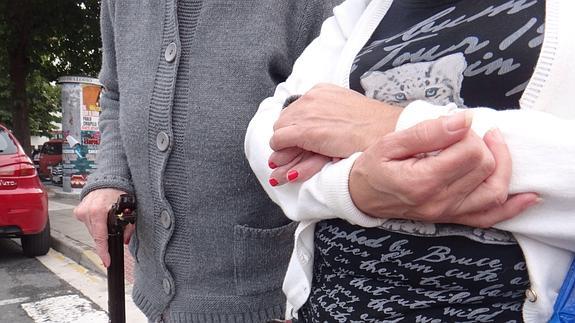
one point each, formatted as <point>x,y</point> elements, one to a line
<point>64,309</point>
<point>13,301</point>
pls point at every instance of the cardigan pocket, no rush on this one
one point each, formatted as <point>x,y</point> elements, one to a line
<point>261,257</point>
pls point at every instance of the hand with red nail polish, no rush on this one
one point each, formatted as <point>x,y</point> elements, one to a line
<point>326,124</point>
<point>302,166</point>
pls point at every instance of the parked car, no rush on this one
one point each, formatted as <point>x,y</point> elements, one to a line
<point>36,158</point>
<point>23,198</point>
<point>50,155</point>
<point>56,174</point>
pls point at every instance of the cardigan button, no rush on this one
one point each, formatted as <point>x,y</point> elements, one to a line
<point>531,295</point>
<point>162,141</point>
<point>167,286</point>
<point>165,219</point>
<point>170,53</point>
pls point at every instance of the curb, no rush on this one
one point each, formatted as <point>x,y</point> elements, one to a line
<point>78,252</point>
<point>57,191</point>
<point>69,195</point>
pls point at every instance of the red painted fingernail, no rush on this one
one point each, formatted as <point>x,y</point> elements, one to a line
<point>273,182</point>
<point>272,165</point>
<point>127,241</point>
<point>292,175</point>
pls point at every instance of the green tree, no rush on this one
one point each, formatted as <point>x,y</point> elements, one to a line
<point>41,41</point>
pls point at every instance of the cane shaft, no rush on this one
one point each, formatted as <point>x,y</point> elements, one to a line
<point>121,214</point>
<point>116,298</point>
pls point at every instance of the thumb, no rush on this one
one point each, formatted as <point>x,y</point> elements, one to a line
<point>427,136</point>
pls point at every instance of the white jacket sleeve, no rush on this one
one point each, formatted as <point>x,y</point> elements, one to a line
<point>542,148</point>
<point>326,194</point>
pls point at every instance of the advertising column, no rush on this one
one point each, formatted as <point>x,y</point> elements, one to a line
<point>80,112</point>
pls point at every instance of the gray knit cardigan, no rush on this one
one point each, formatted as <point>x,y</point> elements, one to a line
<point>182,80</point>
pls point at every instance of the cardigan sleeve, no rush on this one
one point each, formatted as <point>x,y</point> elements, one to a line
<point>325,194</point>
<point>112,171</point>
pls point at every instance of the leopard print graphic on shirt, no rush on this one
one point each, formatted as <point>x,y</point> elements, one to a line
<point>438,82</point>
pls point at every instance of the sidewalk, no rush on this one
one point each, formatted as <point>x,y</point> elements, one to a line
<point>71,238</point>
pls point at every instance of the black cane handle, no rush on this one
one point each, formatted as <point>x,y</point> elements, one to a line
<point>122,213</point>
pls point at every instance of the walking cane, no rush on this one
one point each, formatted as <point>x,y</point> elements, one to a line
<point>121,213</point>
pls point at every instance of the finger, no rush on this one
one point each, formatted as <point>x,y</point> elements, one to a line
<point>462,166</point>
<point>309,165</point>
<point>427,136</point>
<point>286,116</point>
<point>496,144</point>
<point>287,137</point>
<point>128,231</point>
<point>99,231</point>
<point>511,208</point>
<point>494,189</point>
<point>279,175</point>
<point>102,249</point>
<point>283,157</point>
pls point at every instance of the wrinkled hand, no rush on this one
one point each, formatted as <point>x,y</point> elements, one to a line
<point>93,211</point>
<point>466,182</point>
<point>333,121</point>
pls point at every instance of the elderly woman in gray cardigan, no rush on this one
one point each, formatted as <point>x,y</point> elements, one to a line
<point>182,80</point>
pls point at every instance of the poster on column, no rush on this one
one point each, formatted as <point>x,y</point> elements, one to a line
<point>80,116</point>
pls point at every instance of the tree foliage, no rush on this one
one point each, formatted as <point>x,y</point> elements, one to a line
<point>41,41</point>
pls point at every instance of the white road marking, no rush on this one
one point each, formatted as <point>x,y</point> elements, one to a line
<point>56,206</point>
<point>14,301</point>
<point>64,309</point>
<point>89,284</point>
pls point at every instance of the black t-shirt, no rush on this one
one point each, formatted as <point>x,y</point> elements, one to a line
<point>389,275</point>
<point>471,53</point>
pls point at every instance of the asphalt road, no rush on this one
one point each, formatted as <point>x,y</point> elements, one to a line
<point>31,293</point>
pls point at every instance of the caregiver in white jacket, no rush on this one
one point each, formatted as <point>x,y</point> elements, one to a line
<point>540,137</point>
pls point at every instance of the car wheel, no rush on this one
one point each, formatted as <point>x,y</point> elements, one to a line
<point>37,244</point>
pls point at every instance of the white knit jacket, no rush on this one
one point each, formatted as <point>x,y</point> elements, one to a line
<point>540,136</point>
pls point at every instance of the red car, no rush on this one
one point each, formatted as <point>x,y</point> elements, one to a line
<point>23,199</point>
<point>50,156</point>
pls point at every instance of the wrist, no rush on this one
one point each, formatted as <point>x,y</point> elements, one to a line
<point>359,190</point>
<point>383,121</point>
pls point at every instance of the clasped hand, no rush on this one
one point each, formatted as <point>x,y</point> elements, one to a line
<point>93,211</point>
<point>437,171</point>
